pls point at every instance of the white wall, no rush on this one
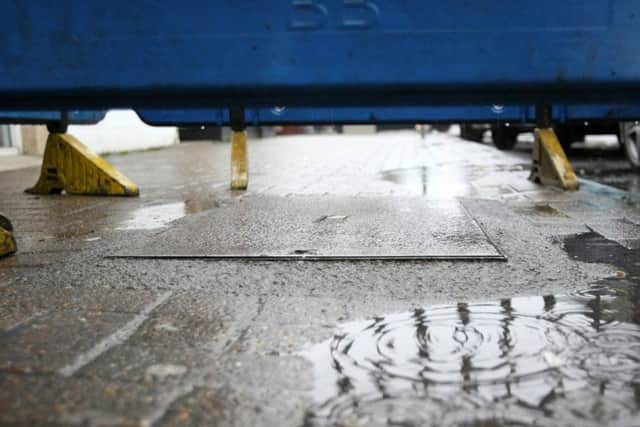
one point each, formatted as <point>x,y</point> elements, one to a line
<point>123,131</point>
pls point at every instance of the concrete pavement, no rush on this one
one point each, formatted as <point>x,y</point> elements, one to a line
<point>89,339</point>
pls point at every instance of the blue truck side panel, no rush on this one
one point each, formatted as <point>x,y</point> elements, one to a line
<point>363,115</point>
<point>42,117</point>
<point>341,115</point>
<point>75,54</point>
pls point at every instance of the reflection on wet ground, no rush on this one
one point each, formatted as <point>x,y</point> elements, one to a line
<point>605,162</point>
<point>621,177</point>
<point>572,359</point>
<point>158,216</point>
<point>445,181</point>
<point>151,217</point>
<point>550,360</point>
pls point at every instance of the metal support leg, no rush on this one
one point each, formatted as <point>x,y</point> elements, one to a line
<point>239,156</point>
<point>7,242</point>
<point>70,166</point>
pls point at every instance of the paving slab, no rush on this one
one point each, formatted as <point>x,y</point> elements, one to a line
<point>48,400</point>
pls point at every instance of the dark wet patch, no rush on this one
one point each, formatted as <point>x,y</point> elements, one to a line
<point>547,210</point>
<point>331,218</point>
<point>543,210</point>
<point>305,252</point>
<point>550,360</point>
<point>592,247</point>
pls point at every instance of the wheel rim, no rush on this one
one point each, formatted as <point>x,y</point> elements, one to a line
<point>632,142</point>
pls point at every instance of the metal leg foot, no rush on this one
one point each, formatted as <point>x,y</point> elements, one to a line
<point>239,161</point>
<point>70,166</point>
<point>550,164</point>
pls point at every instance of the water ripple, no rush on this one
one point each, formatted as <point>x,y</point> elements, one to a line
<point>518,361</point>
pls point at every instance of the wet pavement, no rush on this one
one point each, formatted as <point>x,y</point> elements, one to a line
<point>551,336</point>
<point>323,228</point>
<point>550,360</point>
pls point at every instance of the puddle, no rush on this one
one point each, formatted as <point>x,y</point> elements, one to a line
<point>432,181</point>
<point>531,361</point>
<point>445,181</point>
<point>158,216</point>
<point>551,360</point>
<point>152,217</point>
<point>592,247</point>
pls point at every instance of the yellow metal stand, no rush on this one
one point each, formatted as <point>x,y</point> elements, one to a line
<point>7,242</point>
<point>239,161</point>
<point>70,166</point>
<point>550,163</point>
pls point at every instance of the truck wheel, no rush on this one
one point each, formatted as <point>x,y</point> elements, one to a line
<point>504,138</point>
<point>630,139</point>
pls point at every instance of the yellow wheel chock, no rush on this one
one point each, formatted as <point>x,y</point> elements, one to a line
<point>550,163</point>
<point>70,166</point>
<point>7,242</point>
<point>239,160</point>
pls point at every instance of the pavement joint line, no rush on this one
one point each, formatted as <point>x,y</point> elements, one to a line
<point>483,229</point>
<point>233,345</point>
<point>315,258</point>
<point>63,310</point>
<point>195,379</point>
<point>115,339</point>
